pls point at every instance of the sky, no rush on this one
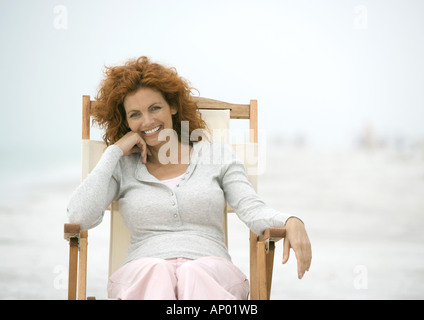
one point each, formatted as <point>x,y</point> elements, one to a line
<point>321,70</point>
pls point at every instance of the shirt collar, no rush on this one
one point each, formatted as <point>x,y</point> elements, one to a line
<point>142,174</point>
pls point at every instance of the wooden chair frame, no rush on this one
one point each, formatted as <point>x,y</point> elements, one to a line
<point>261,247</point>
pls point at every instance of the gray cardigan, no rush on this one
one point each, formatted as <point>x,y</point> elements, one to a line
<point>185,221</point>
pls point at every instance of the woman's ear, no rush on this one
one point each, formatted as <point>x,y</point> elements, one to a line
<point>174,110</point>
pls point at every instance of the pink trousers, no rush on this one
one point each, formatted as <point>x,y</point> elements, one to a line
<point>208,278</point>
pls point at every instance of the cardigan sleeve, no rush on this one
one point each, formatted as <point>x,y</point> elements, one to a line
<point>92,197</point>
<point>243,198</point>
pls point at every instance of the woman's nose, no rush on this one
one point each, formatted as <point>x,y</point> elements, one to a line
<point>147,122</point>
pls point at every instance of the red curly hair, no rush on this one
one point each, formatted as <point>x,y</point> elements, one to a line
<point>121,81</point>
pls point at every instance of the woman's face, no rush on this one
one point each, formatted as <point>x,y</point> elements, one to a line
<point>148,113</point>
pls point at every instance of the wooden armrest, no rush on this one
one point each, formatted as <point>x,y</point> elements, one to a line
<point>71,230</point>
<point>273,234</point>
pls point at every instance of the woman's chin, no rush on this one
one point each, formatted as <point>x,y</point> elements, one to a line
<point>154,143</point>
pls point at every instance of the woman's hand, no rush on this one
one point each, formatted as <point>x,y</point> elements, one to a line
<point>132,142</point>
<point>297,239</point>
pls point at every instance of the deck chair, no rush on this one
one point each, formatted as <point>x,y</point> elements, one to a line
<point>217,115</point>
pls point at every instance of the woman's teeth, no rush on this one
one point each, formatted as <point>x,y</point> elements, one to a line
<point>152,131</point>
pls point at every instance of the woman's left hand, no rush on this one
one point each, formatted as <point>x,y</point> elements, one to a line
<point>297,239</point>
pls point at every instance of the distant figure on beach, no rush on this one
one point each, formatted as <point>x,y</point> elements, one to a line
<point>173,209</point>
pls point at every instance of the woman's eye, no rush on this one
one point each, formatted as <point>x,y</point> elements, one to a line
<point>133,115</point>
<point>155,108</point>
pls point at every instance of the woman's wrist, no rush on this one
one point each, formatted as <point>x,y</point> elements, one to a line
<point>293,218</point>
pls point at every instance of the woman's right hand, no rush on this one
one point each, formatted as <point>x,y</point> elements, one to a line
<point>132,142</point>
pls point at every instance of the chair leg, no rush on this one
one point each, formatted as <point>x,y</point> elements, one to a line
<point>254,281</point>
<point>73,265</point>
<point>82,272</point>
<point>265,261</point>
<point>269,267</point>
<point>262,274</point>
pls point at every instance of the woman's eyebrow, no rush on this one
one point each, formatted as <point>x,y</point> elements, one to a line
<point>137,110</point>
<point>153,104</point>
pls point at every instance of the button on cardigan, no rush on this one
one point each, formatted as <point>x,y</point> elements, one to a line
<point>184,221</point>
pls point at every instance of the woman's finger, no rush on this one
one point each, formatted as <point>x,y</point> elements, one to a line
<point>309,257</point>
<point>143,152</point>
<point>286,250</point>
<point>300,263</point>
<point>305,257</point>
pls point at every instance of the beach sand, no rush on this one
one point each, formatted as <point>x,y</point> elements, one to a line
<point>363,209</point>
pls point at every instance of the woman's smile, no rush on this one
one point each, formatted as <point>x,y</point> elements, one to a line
<point>152,131</point>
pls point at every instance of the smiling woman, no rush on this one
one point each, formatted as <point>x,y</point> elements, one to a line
<point>120,86</point>
<point>173,210</point>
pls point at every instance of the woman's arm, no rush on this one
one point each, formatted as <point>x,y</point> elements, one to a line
<point>90,200</point>
<point>250,208</point>
<point>242,197</point>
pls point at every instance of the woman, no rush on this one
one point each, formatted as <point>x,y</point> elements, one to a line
<point>171,195</point>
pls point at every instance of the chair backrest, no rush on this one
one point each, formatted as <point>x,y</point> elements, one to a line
<point>217,115</point>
